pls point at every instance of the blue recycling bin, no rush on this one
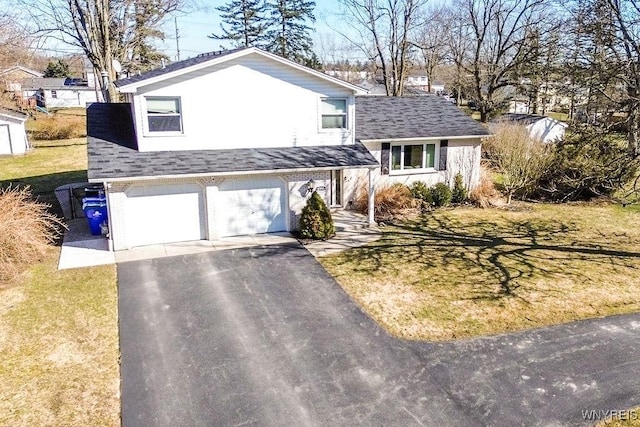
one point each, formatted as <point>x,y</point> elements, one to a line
<point>95,209</point>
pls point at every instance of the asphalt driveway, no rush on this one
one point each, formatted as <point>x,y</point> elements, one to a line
<point>264,336</point>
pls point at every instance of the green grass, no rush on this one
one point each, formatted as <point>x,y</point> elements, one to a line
<point>562,117</point>
<point>49,165</point>
<point>58,329</point>
<point>468,272</point>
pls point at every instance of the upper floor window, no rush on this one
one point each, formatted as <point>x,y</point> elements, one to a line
<point>54,94</point>
<point>164,114</point>
<point>413,156</point>
<point>334,113</point>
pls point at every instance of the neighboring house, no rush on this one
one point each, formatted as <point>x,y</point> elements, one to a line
<point>195,155</point>
<point>13,137</point>
<point>543,128</point>
<point>59,92</point>
<point>12,77</point>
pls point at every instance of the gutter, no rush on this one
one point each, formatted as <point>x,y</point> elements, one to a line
<point>231,173</point>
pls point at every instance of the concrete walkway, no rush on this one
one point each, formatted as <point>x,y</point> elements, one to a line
<point>81,249</point>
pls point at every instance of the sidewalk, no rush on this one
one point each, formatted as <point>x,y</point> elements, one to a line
<point>81,249</point>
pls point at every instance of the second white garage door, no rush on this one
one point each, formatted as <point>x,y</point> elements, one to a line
<point>164,214</point>
<point>251,206</point>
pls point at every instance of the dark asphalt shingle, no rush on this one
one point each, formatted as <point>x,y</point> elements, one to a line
<point>112,153</point>
<point>386,117</point>
<point>175,66</point>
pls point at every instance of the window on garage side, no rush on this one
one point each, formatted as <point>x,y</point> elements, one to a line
<point>334,113</point>
<point>164,114</point>
<point>54,94</point>
<point>411,157</point>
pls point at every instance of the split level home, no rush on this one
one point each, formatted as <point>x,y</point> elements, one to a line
<point>232,143</point>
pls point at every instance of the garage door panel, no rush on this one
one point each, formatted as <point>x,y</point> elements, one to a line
<point>164,214</point>
<point>251,206</point>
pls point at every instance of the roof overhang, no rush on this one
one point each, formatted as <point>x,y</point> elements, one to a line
<point>16,118</point>
<point>133,87</point>
<point>425,138</point>
<point>228,173</point>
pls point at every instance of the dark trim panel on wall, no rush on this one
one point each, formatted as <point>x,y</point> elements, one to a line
<point>442,164</point>
<point>384,158</point>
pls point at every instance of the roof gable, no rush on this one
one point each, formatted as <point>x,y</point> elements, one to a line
<point>13,115</point>
<point>23,69</point>
<point>430,116</point>
<point>131,84</point>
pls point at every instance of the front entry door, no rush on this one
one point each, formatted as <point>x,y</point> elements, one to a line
<point>336,188</point>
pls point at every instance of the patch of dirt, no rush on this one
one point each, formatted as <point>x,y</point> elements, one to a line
<point>10,298</point>
<point>66,353</point>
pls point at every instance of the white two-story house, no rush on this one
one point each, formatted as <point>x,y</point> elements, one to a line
<point>228,143</point>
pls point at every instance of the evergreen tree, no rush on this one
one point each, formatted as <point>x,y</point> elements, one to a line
<point>288,34</point>
<point>57,68</point>
<point>245,21</point>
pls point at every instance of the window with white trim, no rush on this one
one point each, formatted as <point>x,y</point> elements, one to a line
<point>164,114</point>
<point>334,113</point>
<point>411,157</point>
<point>54,94</point>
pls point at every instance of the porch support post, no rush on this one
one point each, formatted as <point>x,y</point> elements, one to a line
<point>372,193</point>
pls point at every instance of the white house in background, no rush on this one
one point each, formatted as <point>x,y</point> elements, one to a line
<point>228,143</point>
<point>13,137</point>
<point>59,92</point>
<point>543,128</point>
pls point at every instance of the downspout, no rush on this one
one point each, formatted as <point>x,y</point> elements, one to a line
<point>372,193</point>
<point>107,187</point>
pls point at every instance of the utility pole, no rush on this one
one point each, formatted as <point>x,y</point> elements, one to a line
<point>175,22</point>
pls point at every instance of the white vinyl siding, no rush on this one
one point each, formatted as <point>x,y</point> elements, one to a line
<point>250,102</point>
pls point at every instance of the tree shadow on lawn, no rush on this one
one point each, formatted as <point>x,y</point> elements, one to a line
<point>43,186</point>
<point>506,254</point>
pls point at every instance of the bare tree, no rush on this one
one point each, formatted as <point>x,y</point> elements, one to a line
<point>625,46</point>
<point>103,29</point>
<point>387,26</point>
<point>431,39</point>
<point>498,31</point>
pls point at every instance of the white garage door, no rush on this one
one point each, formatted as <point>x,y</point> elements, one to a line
<point>5,140</point>
<point>251,206</point>
<point>164,214</point>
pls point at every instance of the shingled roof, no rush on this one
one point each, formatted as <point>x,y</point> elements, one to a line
<point>112,153</point>
<point>387,117</point>
<point>175,66</point>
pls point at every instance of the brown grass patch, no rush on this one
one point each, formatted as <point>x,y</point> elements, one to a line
<point>485,194</point>
<point>60,125</point>
<point>59,347</point>
<point>468,272</point>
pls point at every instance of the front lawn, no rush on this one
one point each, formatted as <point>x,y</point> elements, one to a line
<point>58,329</point>
<point>467,272</point>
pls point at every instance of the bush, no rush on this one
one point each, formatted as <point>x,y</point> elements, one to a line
<point>440,194</point>
<point>26,229</point>
<point>421,193</point>
<point>520,159</point>
<point>459,192</point>
<point>316,221</point>
<point>485,194</point>
<point>390,202</point>
<point>58,126</point>
<point>589,163</point>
